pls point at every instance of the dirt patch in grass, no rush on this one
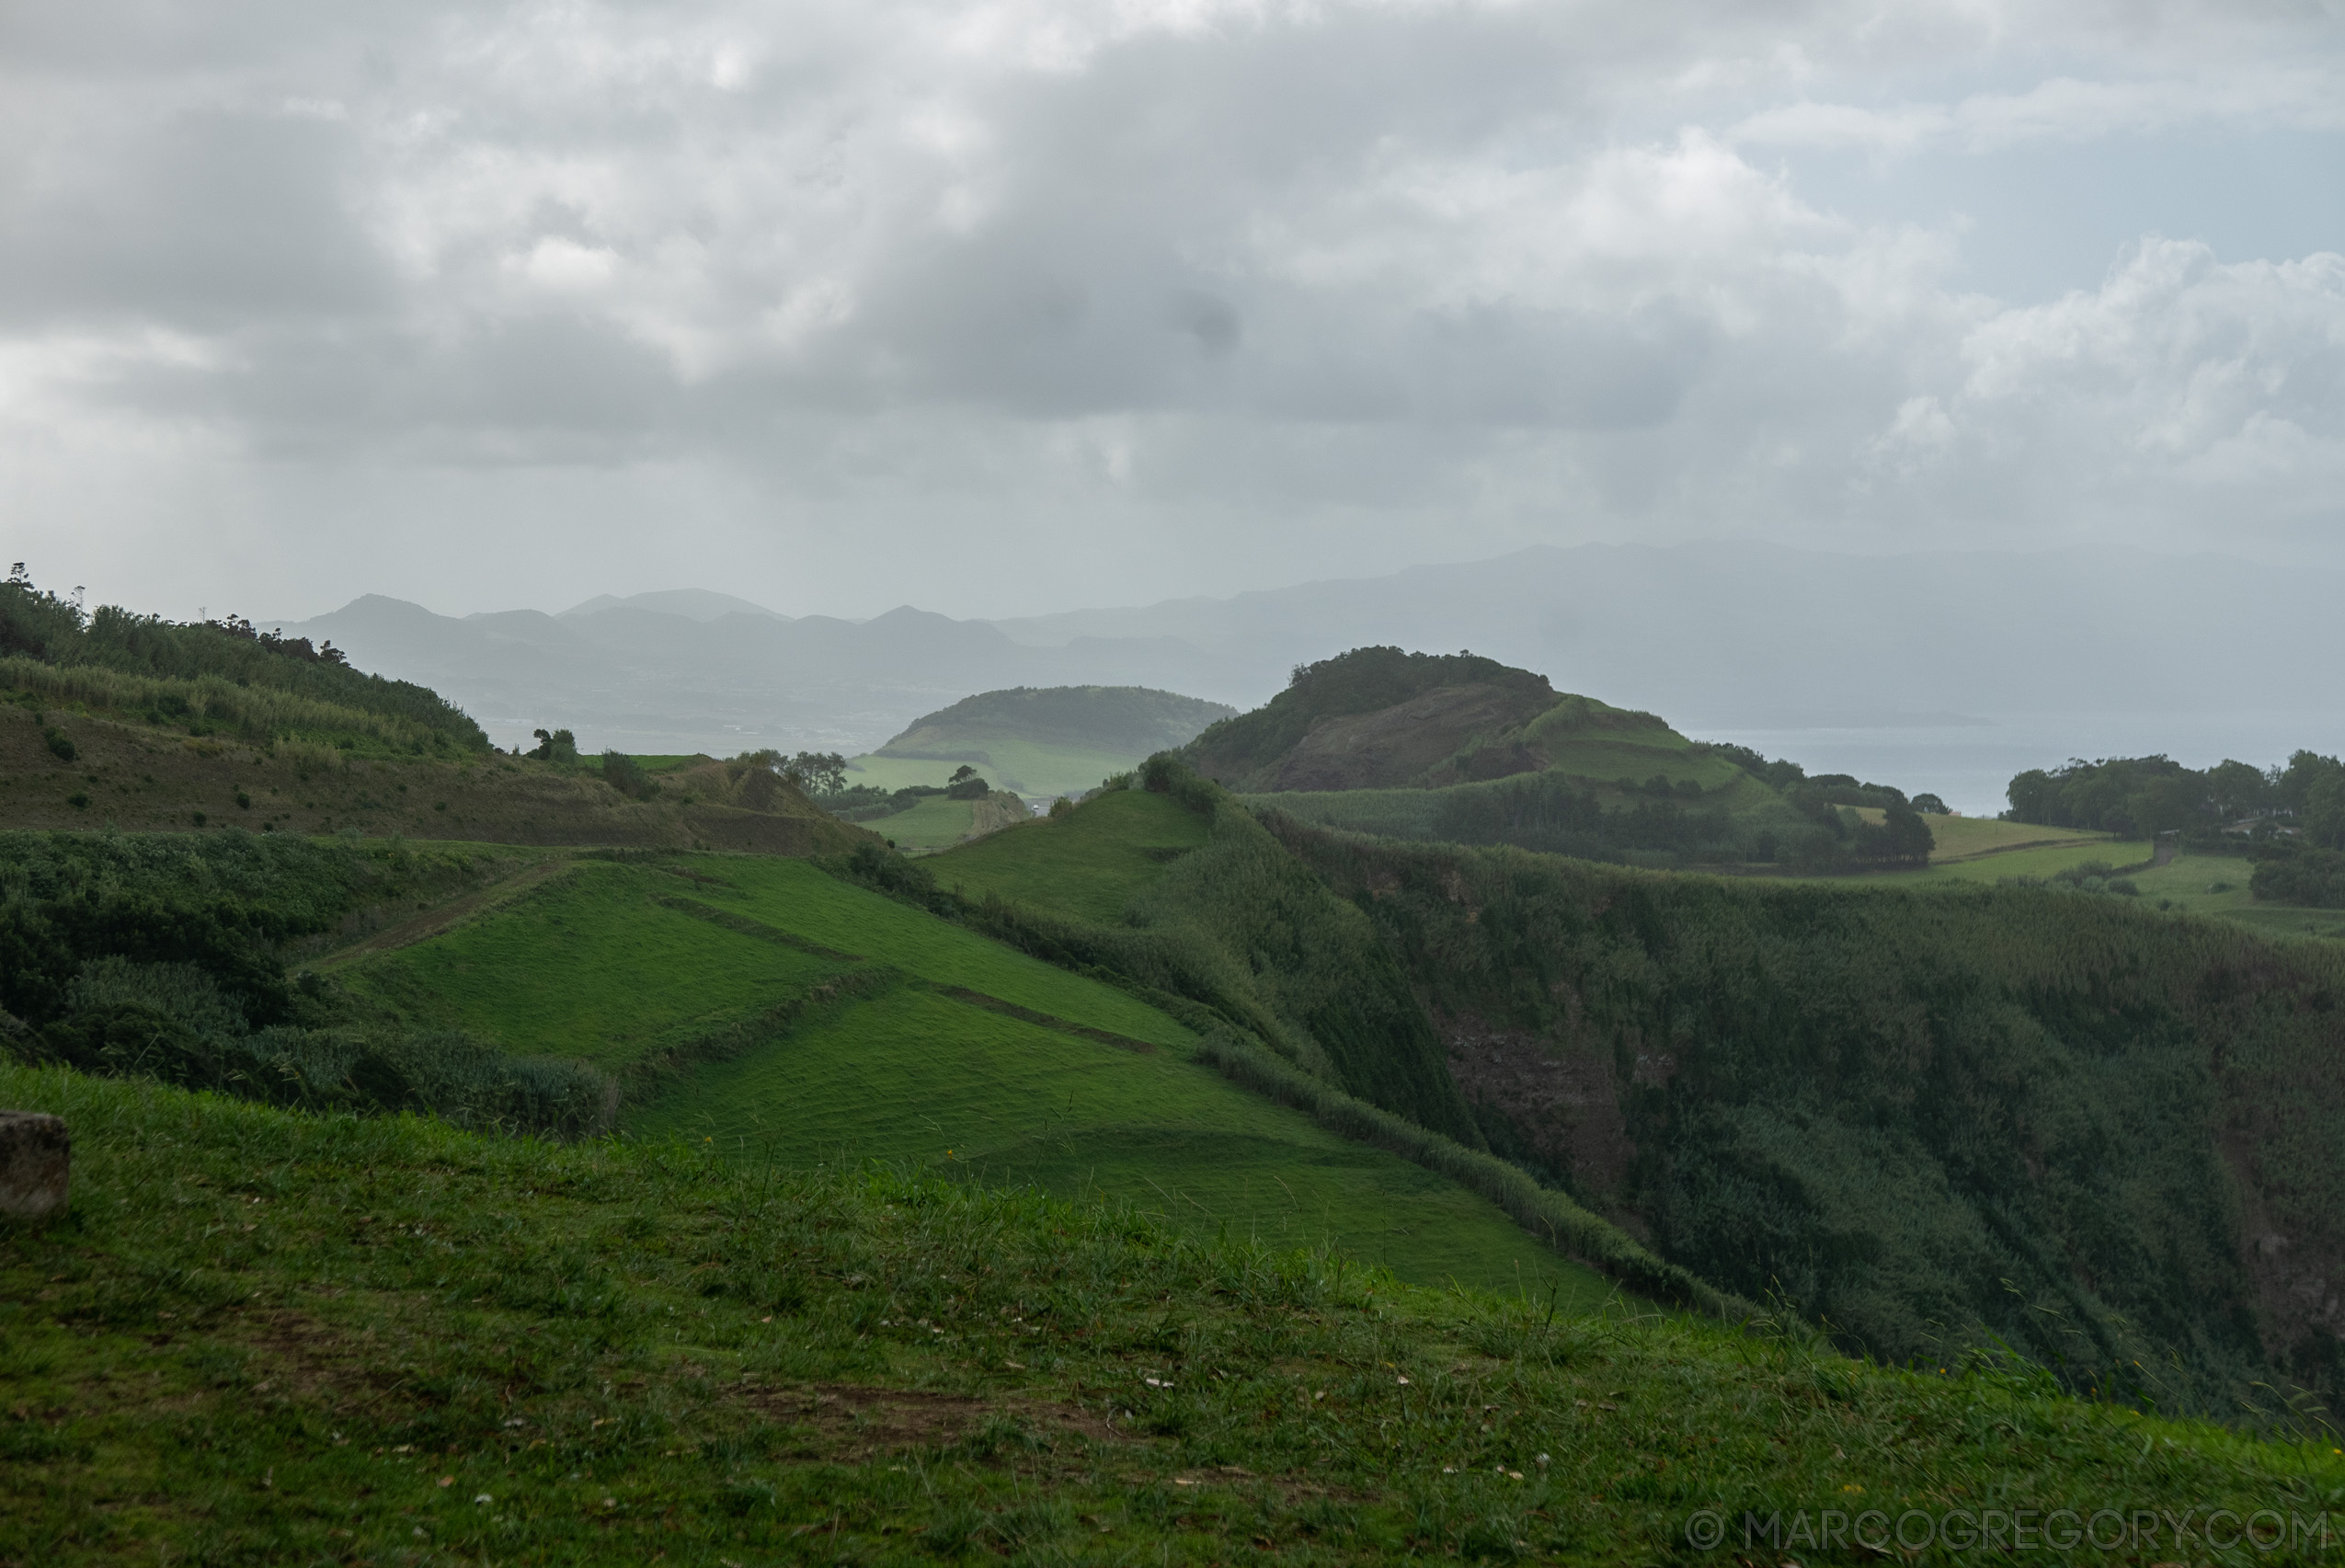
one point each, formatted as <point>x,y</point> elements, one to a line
<point>853,1420</point>
<point>301,1359</point>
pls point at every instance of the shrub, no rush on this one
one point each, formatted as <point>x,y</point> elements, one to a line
<point>2311,877</point>
<point>61,744</point>
<point>624,774</point>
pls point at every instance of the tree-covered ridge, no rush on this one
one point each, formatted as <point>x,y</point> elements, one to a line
<point>202,663</point>
<point>2139,797</point>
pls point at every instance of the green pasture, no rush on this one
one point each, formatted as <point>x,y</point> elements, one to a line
<point>1961,838</point>
<point>794,896</point>
<point>1025,767</point>
<point>590,965</point>
<point>916,1077</point>
<point>602,963</point>
<point>1087,864</point>
<point>2216,886</point>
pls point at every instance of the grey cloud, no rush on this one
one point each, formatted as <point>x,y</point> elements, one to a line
<point>1373,274</point>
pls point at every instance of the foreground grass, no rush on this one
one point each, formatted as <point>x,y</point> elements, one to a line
<point>260,1338</point>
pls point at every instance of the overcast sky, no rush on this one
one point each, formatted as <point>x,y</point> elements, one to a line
<point>1005,307</point>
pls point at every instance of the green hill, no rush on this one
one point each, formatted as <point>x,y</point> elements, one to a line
<point>1039,741</point>
<point>1464,750</point>
<point>268,1338</point>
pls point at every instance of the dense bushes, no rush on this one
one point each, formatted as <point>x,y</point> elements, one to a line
<point>1926,1119</point>
<point>221,659</point>
<point>2140,797</point>
<point>626,775</point>
<point>142,1031</point>
<point>2313,877</point>
<point>1557,814</point>
<point>160,956</point>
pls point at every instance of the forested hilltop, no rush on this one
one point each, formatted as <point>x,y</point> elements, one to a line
<point>1458,748</point>
<point>2290,818</point>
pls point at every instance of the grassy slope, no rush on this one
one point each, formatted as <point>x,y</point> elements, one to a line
<point>595,964</point>
<point>1087,865</point>
<point>1968,838</point>
<point>589,965</point>
<point>914,1076</point>
<point>264,1339</point>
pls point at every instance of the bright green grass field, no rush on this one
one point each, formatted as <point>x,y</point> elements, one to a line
<point>797,898</point>
<point>917,1077</point>
<point>2188,885</point>
<point>1027,767</point>
<point>593,965</point>
<point>1087,864</point>
<point>590,965</point>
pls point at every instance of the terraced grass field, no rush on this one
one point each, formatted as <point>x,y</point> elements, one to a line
<point>1088,863</point>
<point>916,1077</point>
<point>938,1048</point>
<point>590,965</point>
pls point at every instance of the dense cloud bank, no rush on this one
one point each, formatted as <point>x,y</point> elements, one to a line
<point>1193,294</point>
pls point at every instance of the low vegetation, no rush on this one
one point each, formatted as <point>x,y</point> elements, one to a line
<point>266,1337</point>
<point>216,677</point>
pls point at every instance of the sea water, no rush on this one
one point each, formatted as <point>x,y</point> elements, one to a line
<point>1969,765</point>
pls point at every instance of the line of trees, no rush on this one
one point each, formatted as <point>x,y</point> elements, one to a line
<point>2140,797</point>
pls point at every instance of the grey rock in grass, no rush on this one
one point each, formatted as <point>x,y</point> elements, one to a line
<point>35,1159</point>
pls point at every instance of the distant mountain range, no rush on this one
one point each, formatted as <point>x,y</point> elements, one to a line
<point>1716,635</point>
